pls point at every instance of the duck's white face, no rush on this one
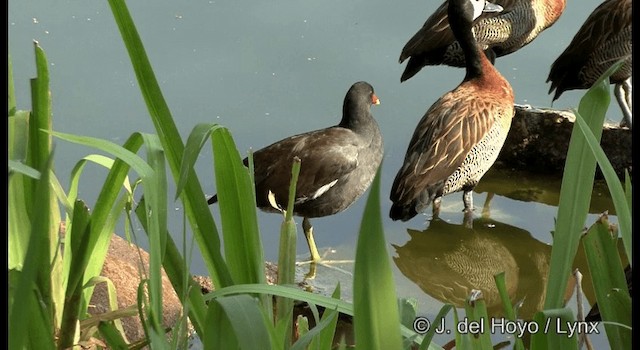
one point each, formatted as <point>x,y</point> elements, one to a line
<point>480,6</point>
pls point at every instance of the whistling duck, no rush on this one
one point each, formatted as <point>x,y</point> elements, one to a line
<point>460,136</point>
<point>603,39</point>
<point>519,22</point>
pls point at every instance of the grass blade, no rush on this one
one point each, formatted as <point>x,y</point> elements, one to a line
<point>476,310</point>
<point>623,209</point>
<point>287,257</point>
<point>600,245</point>
<point>554,333</point>
<point>12,90</point>
<point>506,305</point>
<point>375,303</point>
<point>195,141</point>
<point>575,193</point>
<point>31,315</point>
<point>242,313</point>
<point>156,210</point>
<point>325,339</point>
<point>426,341</point>
<point>78,254</point>
<point>202,224</point>
<point>242,245</point>
<point>19,195</point>
<point>174,268</point>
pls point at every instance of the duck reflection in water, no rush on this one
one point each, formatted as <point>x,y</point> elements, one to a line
<point>448,260</point>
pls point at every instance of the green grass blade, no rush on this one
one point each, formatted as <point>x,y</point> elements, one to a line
<point>106,212</point>
<point>627,187</point>
<point>19,194</point>
<point>623,210</point>
<point>115,314</point>
<point>476,309</point>
<point>78,255</point>
<point>506,305</point>
<point>31,315</point>
<point>553,331</point>
<point>600,245</point>
<point>376,316</point>
<point>18,133</point>
<point>156,209</point>
<point>287,257</point>
<point>174,268</point>
<point>195,206</point>
<point>575,193</point>
<point>283,291</point>
<point>18,167</point>
<point>426,341</point>
<point>112,336</point>
<point>195,141</point>
<point>325,339</point>
<point>12,90</point>
<point>330,317</point>
<point>133,160</point>
<point>244,315</point>
<point>39,145</point>
<point>242,245</point>
<point>462,339</point>
<point>297,294</point>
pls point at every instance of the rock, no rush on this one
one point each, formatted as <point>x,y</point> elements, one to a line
<point>539,139</point>
<point>122,267</point>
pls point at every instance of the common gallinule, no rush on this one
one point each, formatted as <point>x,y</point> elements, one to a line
<point>337,164</point>
<point>460,136</point>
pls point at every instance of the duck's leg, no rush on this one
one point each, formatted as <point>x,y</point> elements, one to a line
<point>623,95</point>
<point>435,208</point>
<point>467,199</point>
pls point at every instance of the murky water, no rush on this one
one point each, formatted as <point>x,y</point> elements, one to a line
<point>267,70</point>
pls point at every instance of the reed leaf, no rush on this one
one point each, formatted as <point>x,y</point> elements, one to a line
<point>196,209</point>
<point>31,315</point>
<point>553,332</point>
<point>156,211</point>
<point>19,195</point>
<point>78,256</point>
<point>575,193</point>
<point>324,340</point>
<point>237,316</point>
<point>11,88</point>
<point>506,305</point>
<point>600,246</point>
<point>476,309</point>
<point>376,319</point>
<point>238,212</point>
<point>196,139</point>
<point>620,201</point>
<point>173,265</point>
<point>287,258</point>
<point>437,321</point>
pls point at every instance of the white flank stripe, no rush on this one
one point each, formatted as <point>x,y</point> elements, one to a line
<point>324,189</point>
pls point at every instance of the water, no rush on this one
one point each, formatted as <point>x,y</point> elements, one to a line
<point>267,70</point>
